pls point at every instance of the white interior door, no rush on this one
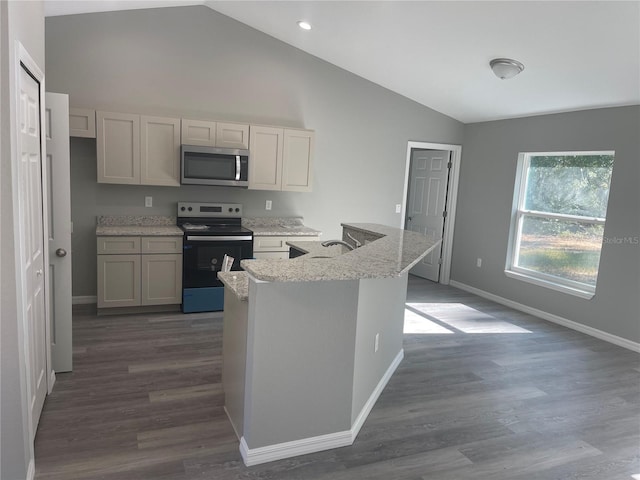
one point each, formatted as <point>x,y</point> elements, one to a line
<point>59,218</point>
<point>426,202</point>
<point>32,241</point>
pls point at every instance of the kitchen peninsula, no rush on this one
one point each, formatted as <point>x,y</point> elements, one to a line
<point>309,343</point>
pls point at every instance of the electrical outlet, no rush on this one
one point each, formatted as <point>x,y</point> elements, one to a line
<point>376,343</point>
<point>479,262</point>
<point>398,208</point>
<point>267,205</point>
<point>148,201</point>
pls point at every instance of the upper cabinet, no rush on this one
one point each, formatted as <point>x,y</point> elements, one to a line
<point>160,151</point>
<point>215,134</point>
<point>82,122</point>
<point>281,159</point>
<point>134,149</point>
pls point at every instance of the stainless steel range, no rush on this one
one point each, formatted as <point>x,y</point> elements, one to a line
<point>211,231</point>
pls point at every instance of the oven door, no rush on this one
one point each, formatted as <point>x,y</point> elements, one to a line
<point>203,255</point>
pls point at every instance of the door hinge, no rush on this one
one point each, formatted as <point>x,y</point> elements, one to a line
<point>444,214</point>
<point>450,164</point>
<point>440,261</point>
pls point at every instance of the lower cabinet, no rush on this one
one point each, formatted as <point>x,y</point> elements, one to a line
<point>139,271</point>
<point>276,246</point>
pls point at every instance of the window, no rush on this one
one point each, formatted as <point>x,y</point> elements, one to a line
<point>559,213</point>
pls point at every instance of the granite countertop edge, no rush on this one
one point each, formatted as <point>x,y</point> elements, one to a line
<point>391,255</point>
<point>138,230</point>
<point>237,282</point>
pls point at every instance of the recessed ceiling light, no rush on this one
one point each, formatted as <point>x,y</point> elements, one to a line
<point>304,25</point>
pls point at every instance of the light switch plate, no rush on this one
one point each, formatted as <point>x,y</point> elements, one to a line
<point>267,205</point>
<point>148,201</point>
<point>398,208</point>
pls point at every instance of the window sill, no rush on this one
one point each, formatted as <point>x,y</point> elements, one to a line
<point>586,294</point>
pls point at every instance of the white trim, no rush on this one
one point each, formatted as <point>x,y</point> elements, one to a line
<point>557,286</point>
<point>593,332</point>
<point>270,453</point>
<point>452,198</point>
<point>84,299</point>
<point>373,398</point>
<point>31,470</point>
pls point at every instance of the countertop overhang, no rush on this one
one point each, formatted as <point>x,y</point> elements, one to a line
<point>392,255</point>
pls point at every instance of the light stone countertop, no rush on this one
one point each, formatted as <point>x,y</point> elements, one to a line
<point>238,282</point>
<point>390,256</point>
<point>278,226</point>
<point>137,225</point>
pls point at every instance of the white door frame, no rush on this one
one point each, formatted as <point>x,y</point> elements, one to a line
<point>452,196</point>
<point>22,57</point>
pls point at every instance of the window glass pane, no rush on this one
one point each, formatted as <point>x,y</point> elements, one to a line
<point>569,250</point>
<point>569,184</point>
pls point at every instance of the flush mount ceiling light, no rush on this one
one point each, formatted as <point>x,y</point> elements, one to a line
<point>304,25</point>
<point>505,68</point>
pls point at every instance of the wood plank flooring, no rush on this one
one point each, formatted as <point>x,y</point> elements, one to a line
<point>496,394</point>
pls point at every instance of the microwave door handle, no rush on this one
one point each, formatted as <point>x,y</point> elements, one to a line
<point>237,167</point>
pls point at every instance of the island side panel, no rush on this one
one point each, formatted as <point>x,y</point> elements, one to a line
<point>234,355</point>
<point>381,304</point>
<point>299,360</point>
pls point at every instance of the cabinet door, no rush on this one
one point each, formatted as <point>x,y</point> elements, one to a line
<point>160,151</point>
<point>297,160</point>
<point>118,281</point>
<point>118,245</point>
<point>82,122</point>
<point>118,144</point>
<point>265,161</point>
<point>270,244</point>
<point>232,135</point>
<point>161,279</point>
<point>198,132</point>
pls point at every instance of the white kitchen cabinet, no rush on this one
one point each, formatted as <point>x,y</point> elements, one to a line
<point>119,281</point>
<point>265,247</point>
<point>215,134</point>
<point>118,144</point>
<point>161,279</point>
<point>297,160</point>
<point>160,151</point>
<point>265,164</point>
<point>198,132</point>
<point>139,271</point>
<point>138,150</point>
<point>232,135</point>
<point>281,159</point>
<point>82,122</point>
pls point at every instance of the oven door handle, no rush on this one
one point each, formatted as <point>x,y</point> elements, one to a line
<point>221,238</point>
<point>237,167</point>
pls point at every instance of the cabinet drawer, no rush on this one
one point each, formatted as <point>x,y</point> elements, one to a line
<point>161,244</point>
<point>270,244</point>
<point>118,245</point>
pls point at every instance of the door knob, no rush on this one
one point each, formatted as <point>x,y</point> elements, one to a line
<point>61,252</point>
<point>38,273</point>
<point>409,219</point>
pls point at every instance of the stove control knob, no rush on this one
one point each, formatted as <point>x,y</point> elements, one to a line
<point>190,208</point>
<point>182,209</point>
<point>231,210</point>
<point>237,209</point>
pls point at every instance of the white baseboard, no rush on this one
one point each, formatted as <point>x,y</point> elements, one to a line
<point>31,470</point>
<point>84,300</point>
<point>270,453</point>
<point>594,332</point>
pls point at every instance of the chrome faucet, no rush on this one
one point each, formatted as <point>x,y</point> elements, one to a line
<point>329,243</point>
<point>356,243</point>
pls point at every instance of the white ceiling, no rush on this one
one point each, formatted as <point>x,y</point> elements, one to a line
<point>577,54</point>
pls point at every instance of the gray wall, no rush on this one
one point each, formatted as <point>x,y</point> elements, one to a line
<point>194,61</point>
<point>484,207</point>
<point>23,21</point>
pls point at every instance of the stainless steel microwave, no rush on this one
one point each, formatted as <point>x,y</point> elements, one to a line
<point>214,166</point>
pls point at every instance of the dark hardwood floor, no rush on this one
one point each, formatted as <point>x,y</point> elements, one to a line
<point>484,392</point>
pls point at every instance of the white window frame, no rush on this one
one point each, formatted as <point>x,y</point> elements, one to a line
<point>512,270</point>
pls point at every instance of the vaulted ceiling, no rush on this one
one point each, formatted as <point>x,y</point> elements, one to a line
<point>577,55</point>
